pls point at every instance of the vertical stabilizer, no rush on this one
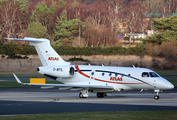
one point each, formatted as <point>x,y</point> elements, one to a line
<point>47,54</point>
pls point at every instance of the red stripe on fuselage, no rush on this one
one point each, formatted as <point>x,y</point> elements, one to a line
<point>77,68</point>
<point>115,82</point>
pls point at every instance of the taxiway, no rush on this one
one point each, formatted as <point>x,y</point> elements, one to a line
<point>33,100</point>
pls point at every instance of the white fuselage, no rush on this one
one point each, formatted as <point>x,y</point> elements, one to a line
<point>121,78</point>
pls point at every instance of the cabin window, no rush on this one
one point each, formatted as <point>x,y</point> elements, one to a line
<point>122,75</point>
<point>92,73</point>
<point>145,74</point>
<point>153,74</point>
<point>129,75</point>
<point>102,74</point>
<point>116,74</point>
<point>110,74</point>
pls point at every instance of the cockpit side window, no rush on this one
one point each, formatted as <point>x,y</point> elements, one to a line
<point>153,74</point>
<point>145,74</point>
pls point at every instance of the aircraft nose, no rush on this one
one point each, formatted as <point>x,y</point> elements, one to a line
<point>168,85</point>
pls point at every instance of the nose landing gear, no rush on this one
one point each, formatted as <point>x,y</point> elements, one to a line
<point>156,97</point>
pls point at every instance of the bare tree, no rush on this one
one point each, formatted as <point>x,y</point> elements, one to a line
<point>164,10</point>
<point>141,23</point>
<point>153,5</point>
<point>10,19</point>
<point>97,13</point>
<point>132,12</point>
<point>78,11</point>
<point>172,5</point>
<point>28,12</point>
<point>115,8</point>
<point>79,26</point>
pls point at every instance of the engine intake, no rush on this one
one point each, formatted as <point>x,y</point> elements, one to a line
<point>71,71</point>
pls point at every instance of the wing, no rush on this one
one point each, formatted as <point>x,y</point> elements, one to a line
<point>70,86</point>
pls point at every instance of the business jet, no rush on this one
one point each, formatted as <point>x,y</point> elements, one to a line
<point>96,79</point>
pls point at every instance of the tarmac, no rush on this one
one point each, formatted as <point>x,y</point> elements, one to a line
<point>34,100</point>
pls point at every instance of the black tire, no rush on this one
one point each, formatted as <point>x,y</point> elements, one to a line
<point>80,95</point>
<point>156,97</point>
<point>100,95</point>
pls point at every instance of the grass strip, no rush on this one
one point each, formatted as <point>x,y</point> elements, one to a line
<point>118,115</point>
<point>22,75</point>
<point>173,81</point>
<point>15,84</point>
<point>167,72</point>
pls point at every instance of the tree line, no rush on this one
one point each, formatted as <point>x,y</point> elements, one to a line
<point>86,23</point>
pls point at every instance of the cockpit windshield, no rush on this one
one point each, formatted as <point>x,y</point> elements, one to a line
<point>149,74</point>
<point>145,74</point>
<point>153,74</point>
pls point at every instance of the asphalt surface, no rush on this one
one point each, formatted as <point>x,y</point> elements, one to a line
<point>33,100</point>
<point>17,107</point>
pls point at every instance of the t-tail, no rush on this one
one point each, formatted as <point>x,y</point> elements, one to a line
<point>47,54</point>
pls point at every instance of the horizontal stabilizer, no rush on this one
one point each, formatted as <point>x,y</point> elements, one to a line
<point>29,39</point>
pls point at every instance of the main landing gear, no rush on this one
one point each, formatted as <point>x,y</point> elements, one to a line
<point>156,97</point>
<point>101,95</point>
<point>84,93</point>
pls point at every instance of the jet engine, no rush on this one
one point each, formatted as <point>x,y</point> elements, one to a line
<point>61,71</point>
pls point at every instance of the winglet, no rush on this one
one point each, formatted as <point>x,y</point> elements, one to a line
<point>17,79</point>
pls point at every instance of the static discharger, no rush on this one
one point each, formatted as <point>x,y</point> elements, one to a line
<point>37,80</point>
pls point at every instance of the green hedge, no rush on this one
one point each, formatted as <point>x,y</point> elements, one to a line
<point>65,50</point>
<point>13,49</point>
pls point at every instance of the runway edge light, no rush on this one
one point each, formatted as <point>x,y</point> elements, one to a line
<point>37,80</point>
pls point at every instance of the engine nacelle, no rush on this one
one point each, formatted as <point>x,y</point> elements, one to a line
<point>61,71</point>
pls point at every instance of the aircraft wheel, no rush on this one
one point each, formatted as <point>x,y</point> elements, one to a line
<point>80,95</point>
<point>100,95</point>
<point>156,97</point>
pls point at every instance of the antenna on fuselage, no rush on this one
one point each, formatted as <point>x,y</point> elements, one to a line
<point>133,66</point>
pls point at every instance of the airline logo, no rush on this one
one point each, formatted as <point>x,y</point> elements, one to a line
<point>115,79</point>
<point>53,58</point>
